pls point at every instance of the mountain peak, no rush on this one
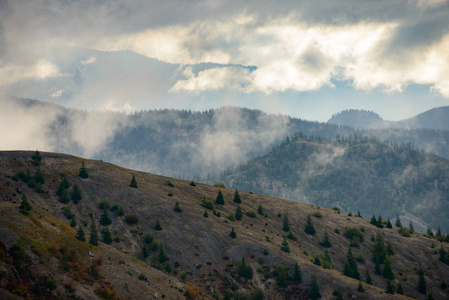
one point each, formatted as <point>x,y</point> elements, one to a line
<point>361,119</point>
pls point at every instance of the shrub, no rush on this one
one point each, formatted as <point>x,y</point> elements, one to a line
<point>352,232</point>
<point>251,213</point>
<point>104,204</point>
<point>67,212</point>
<point>221,185</point>
<point>208,204</point>
<point>317,214</point>
<point>231,217</point>
<point>260,210</point>
<point>244,270</point>
<point>157,225</point>
<point>192,183</point>
<point>168,183</point>
<point>119,210</point>
<point>131,219</point>
<point>177,208</point>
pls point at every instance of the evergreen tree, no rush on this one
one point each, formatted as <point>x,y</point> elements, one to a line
<point>358,214</point>
<point>368,277</point>
<point>39,177</point>
<point>192,183</point>
<point>389,225</point>
<point>285,247</point>
<point>285,226</point>
<point>157,225</point>
<point>233,234</point>
<point>387,271</point>
<point>297,273</point>
<point>410,227</point>
<point>237,197</point>
<point>282,277</point>
<point>309,228</point>
<point>377,269</point>
<point>260,210</point>
<point>326,242</point>
<point>238,213</point>
<point>314,289</point>
<point>162,256</point>
<point>205,214</point>
<point>105,220</point>
<point>398,223</point>
<point>390,288</point>
<point>36,158</point>
<point>177,208</point>
<point>219,199</point>
<point>80,235</point>
<point>244,270</point>
<point>350,267</point>
<point>76,195</point>
<point>399,289</point>
<point>145,253</point>
<point>93,235</point>
<point>337,294</point>
<point>379,249</point>
<point>429,232</point>
<point>106,235</point>
<point>422,286</point>
<point>64,197</point>
<point>64,185</point>
<point>430,297</point>
<point>438,234</point>
<point>360,287</point>
<point>83,171</point>
<point>133,183</point>
<point>390,249</point>
<point>25,206</point>
<point>380,222</point>
<point>291,236</point>
<point>373,220</point>
<point>73,222</point>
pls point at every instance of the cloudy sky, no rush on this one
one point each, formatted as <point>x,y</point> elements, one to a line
<point>307,59</point>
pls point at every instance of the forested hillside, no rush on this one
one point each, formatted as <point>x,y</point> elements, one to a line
<point>355,173</point>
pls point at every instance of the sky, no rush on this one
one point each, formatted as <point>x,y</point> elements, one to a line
<point>306,59</point>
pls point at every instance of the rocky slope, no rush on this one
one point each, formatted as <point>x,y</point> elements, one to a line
<point>192,255</point>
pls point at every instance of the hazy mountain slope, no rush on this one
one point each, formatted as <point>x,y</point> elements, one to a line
<point>199,248</point>
<point>356,174</point>
<point>360,119</point>
<point>437,118</point>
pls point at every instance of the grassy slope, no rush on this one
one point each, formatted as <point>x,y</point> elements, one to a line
<point>200,247</point>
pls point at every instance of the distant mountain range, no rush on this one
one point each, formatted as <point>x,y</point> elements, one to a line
<point>354,173</point>
<point>436,118</point>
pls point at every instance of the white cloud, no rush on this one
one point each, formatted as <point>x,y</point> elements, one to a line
<point>12,73</point>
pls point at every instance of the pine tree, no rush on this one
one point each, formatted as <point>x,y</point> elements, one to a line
<point>389,225</point>
<point>390,249</point>
<point>390,288</point>
<point>368,278</point>
<point>133,183</point>
<point>410,227</point>
<point>162,256</point>
<point>157,225</point>
<point>399,289</point>
<point>358,214</point>
<point>64,185</point>
<point>282,277</point>
<point>360,287</point>
<point>145,253</point>
<point>422,286</point>
<point>83,171</point>
<point>373,220</point>
<point>219,199</point>
<point>244,270</point>
<point>387,271</point>
<point>36,158</point>
<point>73,222</point>
<point>76,195</point>
<point>106,235</point>
<point>177,208</point>
<point>350,267</point>
<point>237,197</point>
<point>80,235</point>
<point>105,220</point>
<point>285,226</point>
<point>326,242</point>
<point>260,210</point>
<point>93,235</point>
<point>309,228</point>
<point>238,213</point>
<point>379,249</point>
<point>398,222</point>
<point>285,247</point>
<point>64,197</point>
<point>314,289</point>
<point>233,234</point>
<point>25,206</point>
<point>297,273</point>
<point>205,214</point>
